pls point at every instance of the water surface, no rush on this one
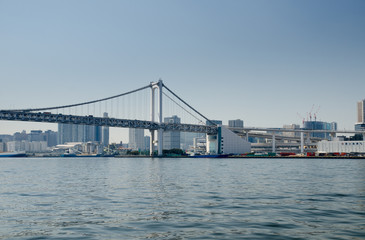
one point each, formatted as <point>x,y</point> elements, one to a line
<point>143,198</point>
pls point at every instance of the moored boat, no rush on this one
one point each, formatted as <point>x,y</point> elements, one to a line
<point>12,154</point>
<point>211,156</point>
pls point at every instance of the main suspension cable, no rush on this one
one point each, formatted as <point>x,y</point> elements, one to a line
<point>188,105</point>
<point>80,104</point>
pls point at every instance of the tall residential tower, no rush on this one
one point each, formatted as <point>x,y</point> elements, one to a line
<point>360,125</point>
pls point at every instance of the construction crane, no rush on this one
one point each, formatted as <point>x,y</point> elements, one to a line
<point>315,114</point>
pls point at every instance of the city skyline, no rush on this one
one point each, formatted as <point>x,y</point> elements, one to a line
<point>263,62</point>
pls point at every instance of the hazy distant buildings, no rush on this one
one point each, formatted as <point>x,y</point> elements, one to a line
<point>2,146</point>
<point>187,139</point>
<point>147,140</point>
<point>20,136</point>
<point>171,139</point>
<point>78,133</point>
<point>238,123</point>
<point>27,146</point>
<point>136,139</point>
<point>291,127</point>
<point>83,133</point>
<point>51,138</point>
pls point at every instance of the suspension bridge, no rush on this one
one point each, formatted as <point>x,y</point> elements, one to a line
<point>119,109</point>
<point>143,108</point>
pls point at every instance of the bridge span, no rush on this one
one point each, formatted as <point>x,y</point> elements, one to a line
<point>155,122</point>
<point>99,121</point>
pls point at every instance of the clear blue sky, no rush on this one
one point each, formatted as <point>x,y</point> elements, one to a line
<point>262,61</point>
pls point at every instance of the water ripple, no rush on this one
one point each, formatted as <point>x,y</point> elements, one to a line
<point>182,199</point>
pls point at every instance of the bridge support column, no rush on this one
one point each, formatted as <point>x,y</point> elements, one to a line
<point>157,85</point>
<point>273,143</point>
<point>301,142</point>
<point>247,136</point>
<point>160,130</point>
<point>152,142</point>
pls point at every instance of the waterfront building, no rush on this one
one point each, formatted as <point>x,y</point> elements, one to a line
<point>27,146</point>
<point>171,139</point>
<point>238,123</point>
<point>325,146</point>
<point>136,139</point>
<point>318,125</point>
<point>227,142</point>
<point>360,127</point>
<point>199,146</point>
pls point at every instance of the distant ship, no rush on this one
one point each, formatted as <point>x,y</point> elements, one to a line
<point>211,156</point>
<point>12,154</point>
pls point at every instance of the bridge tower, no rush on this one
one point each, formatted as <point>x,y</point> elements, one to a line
<point>156,86</point>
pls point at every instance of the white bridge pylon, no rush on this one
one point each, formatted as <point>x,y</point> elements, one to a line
<point>156,86</point>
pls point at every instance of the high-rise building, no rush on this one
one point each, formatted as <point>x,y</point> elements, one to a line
<point>105,133</point>
<point>238,123</point>
<point>171,139</point>
<point>51,138</point>
<point>136,139</point>
<point>147,140</point>
<point>78,133</point>
<point>361,111</point>
<point>318,125</point>
<point>291,134</point>
<point>360,125</point>
<point>36,136</point>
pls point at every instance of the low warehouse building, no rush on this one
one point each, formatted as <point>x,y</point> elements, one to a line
<point>341,146</point>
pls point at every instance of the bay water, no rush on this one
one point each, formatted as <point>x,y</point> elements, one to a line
<point>182,198</point>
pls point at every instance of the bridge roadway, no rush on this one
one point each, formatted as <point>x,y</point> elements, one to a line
<point>99,121</point>
<point>275,130</point>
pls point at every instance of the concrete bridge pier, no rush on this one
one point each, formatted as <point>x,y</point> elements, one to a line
<point>273,143</point>
<point>157,85</point>
<point>152,142</point>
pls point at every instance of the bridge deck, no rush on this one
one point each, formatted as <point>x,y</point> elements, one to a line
<point>98,121</point>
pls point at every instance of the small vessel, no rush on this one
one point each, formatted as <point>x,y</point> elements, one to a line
<point>68,155</point>
<point>211,156</point>
<point>12,154</point>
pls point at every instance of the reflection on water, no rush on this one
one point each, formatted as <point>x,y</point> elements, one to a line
<point>107,198</point>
